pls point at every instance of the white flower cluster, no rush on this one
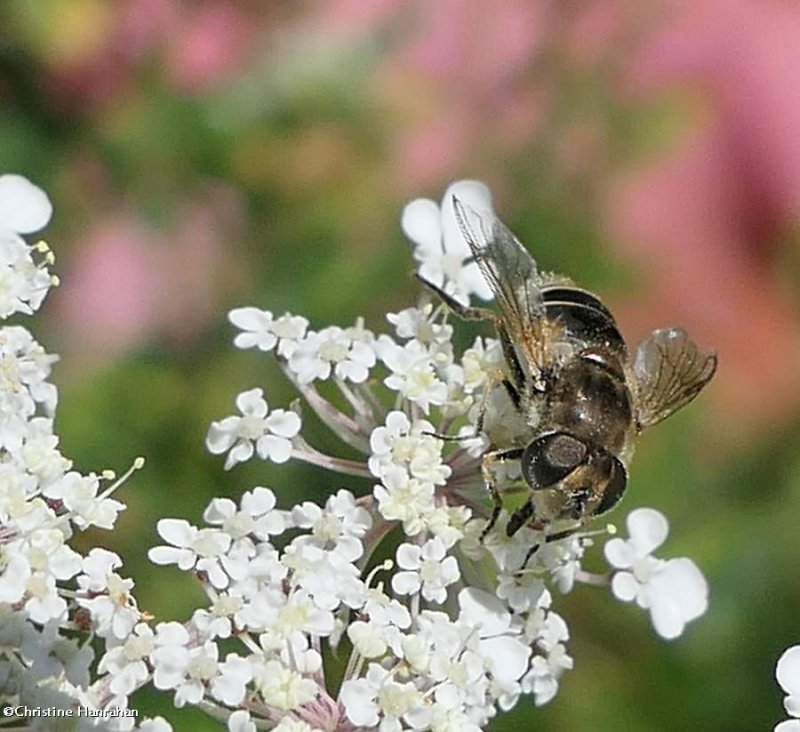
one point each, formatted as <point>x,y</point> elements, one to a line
<point>280,604</point>
<point>308,624</point>
<point>410,665</point>
<point>458,623</point>
<point>49,592</point>
<point>674,591</point>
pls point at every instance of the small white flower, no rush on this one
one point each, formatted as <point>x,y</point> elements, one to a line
<point>327,576</point>
<point>48,552</point>
<point>385,618</point>
<point>256,515</point>
<point>340,526</point>
<point>563,560</point>
<point>281,687</point>
<point>201,668</point>
<point>192,548</point>
<point>479,362</point>
<point>127,663</point>
<point>79,495</point>
<point>412,447</point>
<point>787,672</point>
<point>369,638</point>
<point>349,354</point>
<point>256,430</point>
<point>379,698</point>
<point>542,679</point>
<point>24,208</point>
<point>499,642</point>
<point>288,617</point>
<point>43,603</point>
<point>107,595</point>
<point>440,246</point>
<point>417,323</point>
<point>263,331</point>
<point>380,607</point>
<point>510,551</point>
<point>179,665</point>
<point>23,282</point>
<point>413,374</point>
<point>232,677</point>
<point>446,522</point>
<point>405,499</point>
<point>170,655</point>
<point>521,590</point>
<point>426,568</point>
<point>505,656</point>
<point>674,591</point>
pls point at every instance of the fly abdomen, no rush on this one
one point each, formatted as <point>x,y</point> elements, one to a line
<point>591,400</point>
<point>584,318</point>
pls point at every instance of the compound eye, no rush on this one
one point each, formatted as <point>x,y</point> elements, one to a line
<point>551,458</point>
<point>615,488</point>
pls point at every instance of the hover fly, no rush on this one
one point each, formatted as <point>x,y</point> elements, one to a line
<point>568,373</point>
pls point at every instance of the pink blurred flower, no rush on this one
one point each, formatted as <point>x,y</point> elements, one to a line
<point>199,45</point>
<point>705,219</point>
<point>109,300</point>
<point>456,77</point>
<point>353,17</point>
<point>212,44</point>
<point>130,284</point>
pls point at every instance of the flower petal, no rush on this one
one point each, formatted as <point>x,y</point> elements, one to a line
<point>283,423</point>
<point>648,529</point>
<point>619,553</point>
<point>509,657</point>
<point>405,583</point>
<point>787,672</point>
<point>421,222</point>
<point>408,556</point>
<point>24,207</point>
<point>624,586</point>
<point>276,449</point>
<point>471,193</point>
<point>681,580</point>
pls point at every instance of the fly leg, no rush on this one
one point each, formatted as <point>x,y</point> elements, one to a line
<point>490,459</point>
<point>551,537</point>
<point>463,311</point>
<point>520,517</point>
<point>517,384</point>
<point>491,382</point>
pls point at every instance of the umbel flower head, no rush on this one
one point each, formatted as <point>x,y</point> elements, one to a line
<point>461,621</point>
<point>458,624</point>
<point>53,599</point>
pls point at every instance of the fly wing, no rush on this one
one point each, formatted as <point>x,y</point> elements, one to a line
<point>511,273</point>
<point>670,371</point>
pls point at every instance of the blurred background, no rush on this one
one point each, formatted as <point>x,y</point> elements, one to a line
<point>216,153</point>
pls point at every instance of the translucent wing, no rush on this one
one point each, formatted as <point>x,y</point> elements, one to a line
<point>670,371</point>
<point>511,273</point>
